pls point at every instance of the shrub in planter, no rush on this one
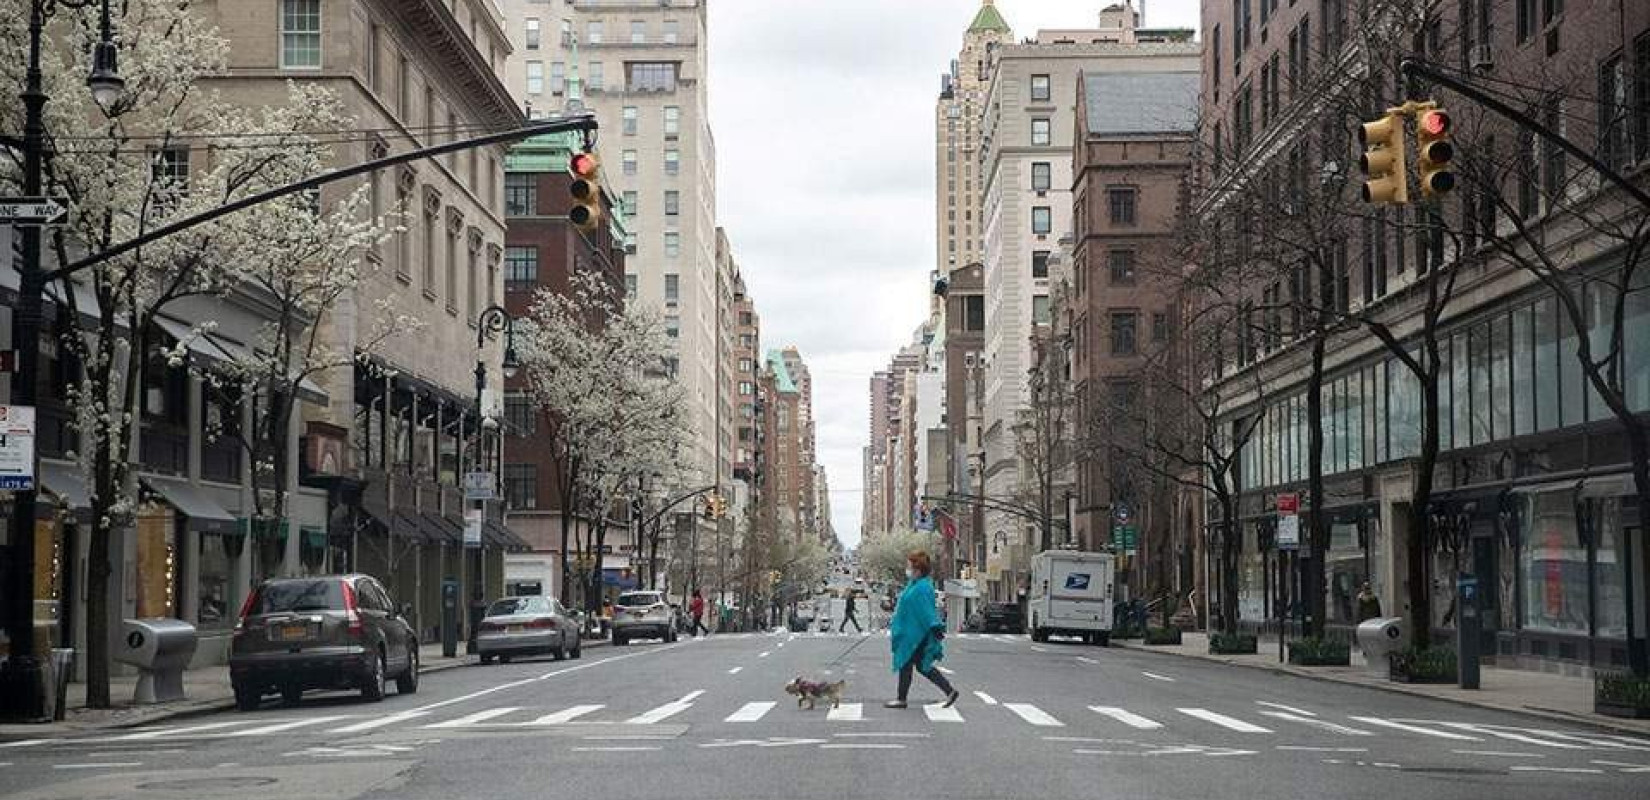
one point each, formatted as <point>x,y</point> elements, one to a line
<point>1316,652</point>
<point>1163,636</point>
<point>1233,644</point>
<point>1127,631</point>
<point>1620,694</point>
<point>1432,665</point>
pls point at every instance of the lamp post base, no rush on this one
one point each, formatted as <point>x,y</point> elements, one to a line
<point>22,690</point>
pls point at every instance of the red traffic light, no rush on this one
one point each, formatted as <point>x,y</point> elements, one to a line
<point>583,164</point>
<point>1435,123</point>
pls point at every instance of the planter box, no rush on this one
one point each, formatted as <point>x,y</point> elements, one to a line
<point>1238,645</point>
<point>1163,636</point>
<point>1621,711</point>
<point>1314,653</point>
<point>1619,694</point>
<point>1433,667</point>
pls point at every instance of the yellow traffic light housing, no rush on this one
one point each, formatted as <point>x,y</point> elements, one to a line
<point>1435,151</point>
<point>586,189</point>
<point>1383,160</point>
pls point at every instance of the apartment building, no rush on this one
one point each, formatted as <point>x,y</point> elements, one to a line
<point>958,224</point>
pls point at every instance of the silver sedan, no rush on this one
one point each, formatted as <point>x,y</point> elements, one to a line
<point>522,626</point>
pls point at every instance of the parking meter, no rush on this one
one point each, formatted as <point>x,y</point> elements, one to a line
<point>1466,630</point>
<point>449,618</point>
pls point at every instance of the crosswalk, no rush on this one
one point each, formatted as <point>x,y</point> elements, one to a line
<point>1255,721</point>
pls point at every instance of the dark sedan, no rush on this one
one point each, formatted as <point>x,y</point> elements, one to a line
<point>1003,618</point>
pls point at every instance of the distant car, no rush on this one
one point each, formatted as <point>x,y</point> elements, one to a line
<point>643,615</point>
<point>523,626</point>
<point>1002,617</point>
<point>327,632</point>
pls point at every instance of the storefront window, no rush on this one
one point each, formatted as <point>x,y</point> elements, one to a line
<point>1380,410</point>
<point>1479,349</point>
<point>1404,393</point>
<point>1346,572</point>
<point>1553,565</point>
<point>156,562</point>
<point>1523,396</point>
<point>1636,370</point>
<point>1252,586</point>
<point>217,608</point>
<point>1461,404</point>
<point>1352,416</point>
<point>1610,550</point>
<point>1546,365</point>
<point>1446,400</point>
<point>1601,320</point>
<point>1572,389</point>
<point>1500,409</point>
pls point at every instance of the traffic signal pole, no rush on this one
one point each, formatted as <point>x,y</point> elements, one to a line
<point>1413,68</point>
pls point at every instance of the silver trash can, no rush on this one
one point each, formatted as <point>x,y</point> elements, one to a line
<point>1378,638</point>
<point>62,673</point>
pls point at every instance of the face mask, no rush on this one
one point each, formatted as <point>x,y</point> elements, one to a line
<point>910,574</point>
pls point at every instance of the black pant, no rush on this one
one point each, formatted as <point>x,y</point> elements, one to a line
<point>698,625</point>
<point>847,618</point>
<point>933,675</point>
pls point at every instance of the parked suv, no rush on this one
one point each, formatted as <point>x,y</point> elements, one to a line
<point>643,614</point>
<point>324,632</point>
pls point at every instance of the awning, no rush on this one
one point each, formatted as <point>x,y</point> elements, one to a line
<point>203,512</point>
<point>616,577</point>
<point>1615,485</point>
<point>66,483</point>
<point>443,528</point>
<point>504,536</point>
<point>230,350</point>
<point>409,525</point>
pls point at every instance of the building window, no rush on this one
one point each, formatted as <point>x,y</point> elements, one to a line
<point>1524,16</point>
<point>638,31</point>
<point>672,31</point>
<point>1641,97</point>
<point>1039,263</point>
<point>974,312</point>
<point>630,243</point>
<point>1040,91</point>
<point>520,414</point>
<point>532,33</point>
<point>745,388</point>
<point>521,194</point>
<point>1123,333</point>
<point>1552,155</point>
<point>1121,265</point>
<point>1041,311</point>
<point>521,485</point>
<point>630,203</point>
<point>300,34</point>
<point>452,273</point>
<point>1041,176</point>
<point>558,77</point>
<point>673,203</point>
<point>521,268</point>
<point>1612,112</point>
<point>645,76</point>
<point>628,159</point>
<point>1120,203</point>
<point>169,173</point>
<point>1040,128</point>
<point>673,244</point>
<point>630,285</point>
<point>1160,327</point>
<point>673,161</point>
<point>631,119</point>
<point>535,77</point>
<point>673,120</point>
<point>593,32</point>
<point>598,77</point>
<point>1042,220</point>
<point>1527,197</point>
<point>673,287</point>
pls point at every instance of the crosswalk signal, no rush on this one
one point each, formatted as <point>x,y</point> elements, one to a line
<point>586,189</point>
<point>1433,146</point>
<point>1383,160</point>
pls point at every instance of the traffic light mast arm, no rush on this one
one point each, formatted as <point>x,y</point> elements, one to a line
<point>994,504</point>
<point>676,502</point>
<point>1412,68</point>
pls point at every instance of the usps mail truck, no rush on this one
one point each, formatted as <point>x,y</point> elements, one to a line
<point>1071,595</point>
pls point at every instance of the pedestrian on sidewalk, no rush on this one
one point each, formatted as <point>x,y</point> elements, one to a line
<point>1369,605</point>
<point>916,632</point>
<point>848,615</point>
<point>696,609</point>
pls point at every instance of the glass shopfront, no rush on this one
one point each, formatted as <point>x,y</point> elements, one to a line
<point>1572,576</point>
<point>1347,568</point>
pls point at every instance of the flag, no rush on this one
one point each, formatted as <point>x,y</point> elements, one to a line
<point>948,525</point>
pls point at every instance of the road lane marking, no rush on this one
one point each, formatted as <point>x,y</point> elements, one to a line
<point>1596,740</point>
<point>1568,770</point>
<point>1033,715</point>
<point>628,738</point>
<point>1417,729</point>
<point>986,698</point>
<point>763,654</point>
<point>938,713</point>
<point>862,746</point>
<point>751,712</point>
<point>1315,749</point>
<point>665,711</point>
<point>881,735</point>
<point>1625,767</point>
<point>567,715</point>
<point>23,743</point>
<point>847,712</point>
<point>1223,721</point>
<point>157,733</point>
<point>283,726</point>
<point>1037,649</point>
<point>99,765</point>
<point>1128,718</point>
<point>1511,737</point>
<point>471,719</point>
<point>379,723</point>
<point>1291,709</point>
<point>1087,660</point>
<point>652,651</point>
<point>1498,754</point>
<point>735,670</point>
<point>1318,723</point>
<point>1156,677</point>
<point>617,749</point>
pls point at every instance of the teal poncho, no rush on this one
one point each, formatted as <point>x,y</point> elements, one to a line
<point>914,622</point>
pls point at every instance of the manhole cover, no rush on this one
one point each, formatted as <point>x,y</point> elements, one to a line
<point>208,784</point>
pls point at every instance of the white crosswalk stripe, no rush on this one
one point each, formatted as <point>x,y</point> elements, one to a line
<point>1492,730</point>
<point>1223,721</point>
<point>473,719</point>
<point>750,712</point>
<point>1318,723</point>
<point>665,711</point>
<point>567,715</point>
<point>158,733</point>
<point>381,722</point>
<point>284,726</point>
<point>1386,723</point>
<point>1129,718</point>
<point>847,712</point>
<point>1033,715</point>
<point>937,713</point>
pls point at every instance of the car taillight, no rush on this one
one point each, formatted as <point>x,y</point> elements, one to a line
<point>351,614</point>
<point>542,623</point>
<point>246,608</point>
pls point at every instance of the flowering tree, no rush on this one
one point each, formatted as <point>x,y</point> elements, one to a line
<point>597,370</point>
<point>132,168</point>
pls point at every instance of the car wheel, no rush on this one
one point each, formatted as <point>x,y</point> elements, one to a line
<point>504,659</point>
<point>291,693</point>
<point>407,682</point>
<point>247,699</point>
<point>375,687</point>
<point>578,649</point>
<point>618,640</point>
<point>558,654</point>
<point>1103,639</point>
<point>486,659</point>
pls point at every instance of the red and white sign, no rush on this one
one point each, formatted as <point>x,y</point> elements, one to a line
<point>1289,503</point>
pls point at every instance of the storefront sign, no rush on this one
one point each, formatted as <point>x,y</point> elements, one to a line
<point>472,527</point>
<point>479,486</point>
<point>16,448</point>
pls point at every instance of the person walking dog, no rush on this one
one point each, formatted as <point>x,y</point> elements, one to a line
<point>917,634</point>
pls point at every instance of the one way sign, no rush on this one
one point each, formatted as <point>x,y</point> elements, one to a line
<point>33,210</point>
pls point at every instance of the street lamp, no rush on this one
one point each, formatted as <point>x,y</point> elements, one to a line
<point>494,319</point>
<point>22,690</point>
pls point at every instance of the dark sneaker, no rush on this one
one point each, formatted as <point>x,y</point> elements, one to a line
<point>951,700</point>
<point>894,704</point>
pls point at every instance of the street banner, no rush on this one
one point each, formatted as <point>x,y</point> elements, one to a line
<point>1289,521</point>
<point>16,448</point>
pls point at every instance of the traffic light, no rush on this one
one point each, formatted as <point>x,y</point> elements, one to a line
<point>1383,160</point>
<point>586,189</point>
<point>1432,145</point>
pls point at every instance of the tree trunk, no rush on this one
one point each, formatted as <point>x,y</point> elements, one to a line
<point>1228,565</point>
<point>97,592</point>
<point>1418,543</point>
<point>568,503</point>
<point>1317,542</point>
<point>593,597</point>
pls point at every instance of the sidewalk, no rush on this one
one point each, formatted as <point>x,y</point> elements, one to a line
<point>1554,697</point>
<point>207,689</point>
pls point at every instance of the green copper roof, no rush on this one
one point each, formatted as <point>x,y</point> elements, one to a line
<point>781,374</point>
<point>989,19</point>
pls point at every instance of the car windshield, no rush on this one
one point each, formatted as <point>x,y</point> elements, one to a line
<point>639,599</point>
<point>289,596</point>
<point>515,605</point>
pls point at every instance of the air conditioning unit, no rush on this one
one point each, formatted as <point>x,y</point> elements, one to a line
<point>1481,57</point>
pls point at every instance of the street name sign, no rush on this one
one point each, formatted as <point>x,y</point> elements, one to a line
<point>479,486</point>
<point>33,210</point>
<point>16,448</point>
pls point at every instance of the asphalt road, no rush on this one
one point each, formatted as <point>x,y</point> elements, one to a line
<point>708,719</point>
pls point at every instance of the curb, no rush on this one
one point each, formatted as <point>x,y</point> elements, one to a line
<point>1399,688</point>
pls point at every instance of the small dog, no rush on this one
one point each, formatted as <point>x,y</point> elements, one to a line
<point>811,692</point>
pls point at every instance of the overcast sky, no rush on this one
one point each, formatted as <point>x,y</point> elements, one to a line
<point>823,115</point>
